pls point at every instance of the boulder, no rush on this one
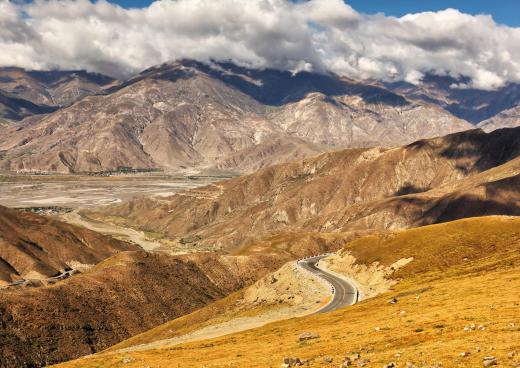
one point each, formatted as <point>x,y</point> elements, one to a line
<point>308,336</point>
<point>489,361</point>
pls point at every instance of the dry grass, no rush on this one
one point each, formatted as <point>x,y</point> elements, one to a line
<point>299,244</point>
<point>464,272</point>
<point>439,247</point>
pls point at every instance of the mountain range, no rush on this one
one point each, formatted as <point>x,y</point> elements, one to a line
<point>454,95</point>
<point>187,115</point>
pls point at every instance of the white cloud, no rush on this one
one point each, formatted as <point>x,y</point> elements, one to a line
<point>317,34</point>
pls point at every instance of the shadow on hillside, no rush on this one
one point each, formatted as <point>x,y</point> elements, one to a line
<point>500,197</point>
<point>470,206</point>
<point>163,72</point>
<point>409,188</point>
<point>476,150</point>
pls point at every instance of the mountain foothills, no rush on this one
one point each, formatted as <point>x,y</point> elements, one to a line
<point>37,248</point>
<point>460,175</point>
<point>114,289</point>
<point>189,115</point>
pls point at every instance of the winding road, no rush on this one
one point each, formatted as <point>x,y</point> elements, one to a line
<point>344,292</point>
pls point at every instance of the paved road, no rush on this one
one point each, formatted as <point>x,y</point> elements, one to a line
<point>344,292</point>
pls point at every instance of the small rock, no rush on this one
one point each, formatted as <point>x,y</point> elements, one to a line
<point>511,354</point>
<point>470,327</point>
<point>477,349</point>
<point>481,327</point>
<point>346,363</point>
<point>489,361</point>
<point>464,354</point>
<point>392,301</point>
<point>362,362</point>
<point>127,360</point>
<point>389,365</point>
<point>308,336</point>
<point>292,362</point>
<point>410,365</point>
<point>398,355</point>
<point>327,359</point>
<point>377,328</point>
<point>354,356</point>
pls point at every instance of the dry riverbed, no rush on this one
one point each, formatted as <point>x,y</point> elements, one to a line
<point>83,191</point>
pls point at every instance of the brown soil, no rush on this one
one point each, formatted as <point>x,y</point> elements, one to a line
<point>38,247</point>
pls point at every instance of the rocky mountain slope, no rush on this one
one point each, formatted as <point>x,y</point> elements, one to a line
<point>475,106</point>
<point>509,118</point>
<point>14,108</point>
<point>460,175</point>
<point>186,115</point>
<point>454,95</point>
<point>52,88</point>
<point>34,247</point>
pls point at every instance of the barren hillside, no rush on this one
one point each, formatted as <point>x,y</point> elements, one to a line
<point>37,247</point>
<point>52,88</point>
<point>460,175</point>
<point>130,293</point>
<point>509,118</point>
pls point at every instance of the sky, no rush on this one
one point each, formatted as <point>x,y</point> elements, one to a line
<point>503,11</point>
<point>391,40</point>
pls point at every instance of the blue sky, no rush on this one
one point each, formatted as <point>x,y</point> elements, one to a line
<point>503,11</point>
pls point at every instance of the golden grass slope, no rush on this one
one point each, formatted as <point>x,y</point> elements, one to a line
<point>464,272</point>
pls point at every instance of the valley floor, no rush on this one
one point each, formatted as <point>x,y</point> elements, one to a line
<point>84,191</point>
